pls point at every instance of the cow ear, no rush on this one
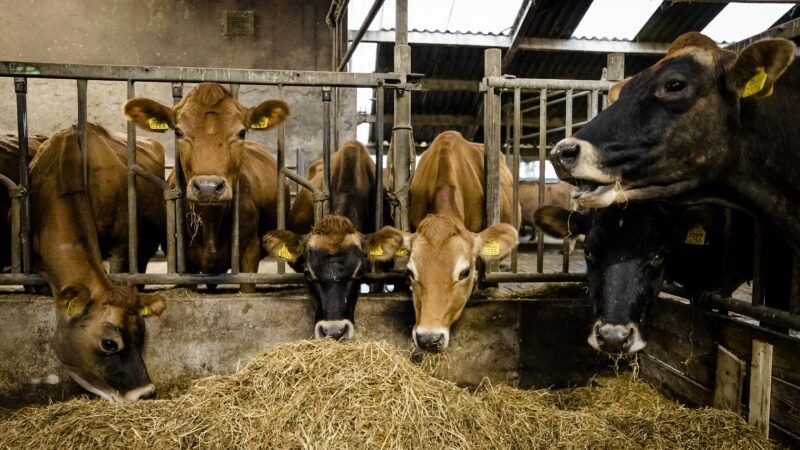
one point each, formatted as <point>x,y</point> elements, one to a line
<point>759,66</point>
<point>285,245</point>
<point>149,114</point>
<point>496,242</point>
<point>72,300</point>
<point>268,114</point>
<point>561,223</point>
<point>386,243</point>
<point>613,93</point>
<point>151,304</point>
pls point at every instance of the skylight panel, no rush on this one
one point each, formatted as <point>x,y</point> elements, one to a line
<point>615,19</point>
<point>741,20</point>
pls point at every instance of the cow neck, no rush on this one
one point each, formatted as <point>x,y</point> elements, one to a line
<point>208,220</point>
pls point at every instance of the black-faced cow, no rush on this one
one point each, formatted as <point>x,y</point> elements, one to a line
<point>702,122</point>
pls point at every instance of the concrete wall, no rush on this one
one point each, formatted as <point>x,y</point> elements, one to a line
<point>289,34</point>
<point>217,334</point>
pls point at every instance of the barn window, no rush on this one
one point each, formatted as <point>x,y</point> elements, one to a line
<point>238,23</point>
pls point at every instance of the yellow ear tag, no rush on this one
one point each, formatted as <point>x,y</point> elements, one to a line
<point>756,83</point>
<point>376,251</point>
<point>491,248</point>
<point>401,252</point>
<point>145,311</point>
<point>157,125</point>
<point>696,236</point>
<point>73,308</point>
<point>263,122</point>
<point>284,252</point>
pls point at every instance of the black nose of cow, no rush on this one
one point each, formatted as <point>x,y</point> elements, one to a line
<point>208,189</point>
<point>335,331</point>
<point>431,342</point>
<point>565,153</point>
<point>150,395</point>
<point>614,338</point>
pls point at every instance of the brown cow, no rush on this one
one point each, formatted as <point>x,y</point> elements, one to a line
<point>210,127</point>
<point>100,329</point>
<point>447,212</point>
<point>557,194</point>
<point>9,167</point>
<point>333,255</point>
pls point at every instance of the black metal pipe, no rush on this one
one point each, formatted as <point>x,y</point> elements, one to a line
<point>180,249</point>
<point>373,11</point>
<point>763,313</point>
<point>235,232</point>
<point>281,180</point>
<point>133,225</point>
<point>758,273</point>
<point>326,150</point>
<point>568,98</point>
<point>379,99</point>
<point>22,234</point>
<point>82,137</point>
<point>517,114</point>
<point>542,158</point>
<point>528,277</point>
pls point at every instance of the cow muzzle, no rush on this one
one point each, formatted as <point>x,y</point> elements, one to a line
<point>145,392</point>
<point>431,340</point>
<point>209,189</point>
<point>616,339</point>
<point>336,329</point>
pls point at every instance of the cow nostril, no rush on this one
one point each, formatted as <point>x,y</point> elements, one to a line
<point>148,395</point>
<point>196,186</point>
<point>569,152</point>
<point>220,186</point>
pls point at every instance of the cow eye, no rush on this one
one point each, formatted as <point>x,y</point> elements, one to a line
<point>464,274</point>
<point>178,133</point>
<point>657,260</point>
<point>675,86</point>
<point>243,134</point>
<point>108,345</point>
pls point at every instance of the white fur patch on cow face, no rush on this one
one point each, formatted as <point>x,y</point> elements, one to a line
<point>323,325</point>
<point>586,167</point>
<point>616,339</point>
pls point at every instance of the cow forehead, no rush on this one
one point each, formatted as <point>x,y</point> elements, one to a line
<point>334,242</point>
<point>442,256</point>
<point>226,113</point>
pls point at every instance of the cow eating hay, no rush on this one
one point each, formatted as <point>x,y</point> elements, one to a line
<point>365,394</point>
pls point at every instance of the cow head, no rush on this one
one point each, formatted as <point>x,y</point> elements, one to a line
<point>100,337</point>
<point>332,257</point>
<point>673,126</point>
<point>210,127</point>
<point>441,269</point>
<point>624,251</point>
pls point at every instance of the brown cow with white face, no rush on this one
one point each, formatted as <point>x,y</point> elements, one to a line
<point>100,331</point>
<point>447,212</point>
<point>210,127</point>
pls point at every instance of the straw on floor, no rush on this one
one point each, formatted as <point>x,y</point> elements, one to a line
<point>366,394</point>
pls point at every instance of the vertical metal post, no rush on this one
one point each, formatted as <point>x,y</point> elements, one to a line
<point>133,225</point>
<point>180,263</point>
<point>379,97</point>
<point>235,231</point>
<point>401,132</point>
<point>542,158</point>
<point>82,106</point>
<point>326,149</point>
<point>235,91</point>
<point>593,104</point>
<point>727,253</point>
<point>491,145</point>
<point>281,157</point>
<point>517,115</point>
<point>567,133</point>
<point>758,273</point>
<point>21,206</point>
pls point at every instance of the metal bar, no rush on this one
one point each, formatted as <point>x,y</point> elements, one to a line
<point>235,232</point>
<point>786,30</point>
<point>758,273</point>
<point>557,129</point>
<point>568,98</point>
<point>379,100</point>
<point>21,233</point>
<point>373,11</point>
<point>82,137</point>
<point>180,249</point>
<point>557,101</point>
<point>199,75</point>
<point>326,150</point>
<point>762,313</point>
<point>550,84</point>
<point>515,36</point>
<point>527,277</point>
<point>299,179</point>
<point>592,46</point>
<point>281,180</point>
<point>727,253</point>
<point>491,147</point>
<point>170,250</point>
<point>515,170</point>
<point>139,170</point>
<point>133,225</point>
<point>542,158</point>
<point>594,104</point>
<point>402,138</point>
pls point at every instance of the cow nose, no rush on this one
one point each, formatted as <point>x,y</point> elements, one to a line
<point>335,331</point>
<point>149,395</point>
<point>431,342</point>
<point>208,188</point>
<point>614,338</point>
<point>566,153</point>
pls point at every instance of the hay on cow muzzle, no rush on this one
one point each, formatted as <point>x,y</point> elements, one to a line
<point>366,394</point>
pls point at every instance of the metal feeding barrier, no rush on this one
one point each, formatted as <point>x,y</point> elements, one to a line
<point>782,312</point>
<point>22,262</point>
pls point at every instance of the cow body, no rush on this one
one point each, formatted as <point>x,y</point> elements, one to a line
<point>555,194</point>
<point>100,331</point>
<point>701,123</point>
<point>210,127</point>
<point>332,253</point>
<point>447,212</point>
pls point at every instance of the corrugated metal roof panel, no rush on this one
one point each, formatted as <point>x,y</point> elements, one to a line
<point>673,19</point>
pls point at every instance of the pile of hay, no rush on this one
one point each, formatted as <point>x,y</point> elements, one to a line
<point>367,394</point>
